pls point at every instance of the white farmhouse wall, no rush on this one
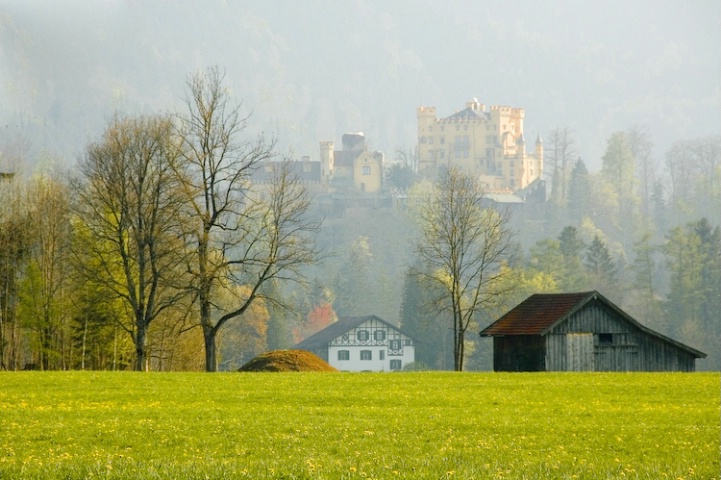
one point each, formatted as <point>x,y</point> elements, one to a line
<point>389,349</point>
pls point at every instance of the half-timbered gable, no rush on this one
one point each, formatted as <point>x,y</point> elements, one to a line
<point>581,332</point>
<point>366,343</point>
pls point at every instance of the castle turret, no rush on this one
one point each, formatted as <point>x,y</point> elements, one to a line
<point>539,153</point>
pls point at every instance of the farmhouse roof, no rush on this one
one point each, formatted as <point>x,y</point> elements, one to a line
<point>541,312</point>
<point>344,324</point>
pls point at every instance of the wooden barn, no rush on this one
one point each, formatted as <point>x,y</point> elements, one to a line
<point>581,332</point>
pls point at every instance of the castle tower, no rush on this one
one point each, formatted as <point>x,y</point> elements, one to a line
<point>327,161</point>
<point>539,153</point>
<point>426,121</point>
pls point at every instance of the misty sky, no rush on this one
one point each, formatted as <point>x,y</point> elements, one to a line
<point>312,70</point>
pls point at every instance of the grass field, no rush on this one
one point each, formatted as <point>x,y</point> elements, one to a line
<point>360,426</point>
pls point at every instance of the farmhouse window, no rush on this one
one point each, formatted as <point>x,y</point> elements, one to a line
<point>396,364</point>
<point>366,170</point>
<point>343,355</point>
<point>366,355</point>
<point>605,338</point>
<point>381,355</point>
<point>379,335</point>
<point>363,335</point>
<point>395,345</point>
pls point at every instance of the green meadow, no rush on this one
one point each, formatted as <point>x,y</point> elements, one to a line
<point>358,426</point>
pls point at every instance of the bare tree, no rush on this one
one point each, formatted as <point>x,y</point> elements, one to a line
<point>45,294</point>
<point>14,247</point>
<point>128,207</point>
<point>237,237</point>
<point>560,153</point>
<point>463,246</point>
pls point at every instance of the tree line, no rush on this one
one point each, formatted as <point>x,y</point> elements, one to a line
<point>160,240</point>
<point>161,253</point>
<point>644,233</point>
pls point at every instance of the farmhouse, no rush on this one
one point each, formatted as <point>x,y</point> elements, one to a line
<point>581,332</point>
<point>366,343</point>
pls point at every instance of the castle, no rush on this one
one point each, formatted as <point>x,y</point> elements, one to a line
<point>488,144</point>
<point>354,169</point>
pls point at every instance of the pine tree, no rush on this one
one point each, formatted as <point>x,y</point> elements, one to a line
<point>579,192</point>
<point>434,346</point>
<point>571,274</point>
<point>600,265</point>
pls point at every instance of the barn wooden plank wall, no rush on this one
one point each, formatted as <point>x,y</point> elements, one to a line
<point>630,350</point>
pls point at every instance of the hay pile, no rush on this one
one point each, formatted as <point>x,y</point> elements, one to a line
<point>287,361</point>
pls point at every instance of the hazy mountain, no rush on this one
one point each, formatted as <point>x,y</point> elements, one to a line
<point>313,70</point>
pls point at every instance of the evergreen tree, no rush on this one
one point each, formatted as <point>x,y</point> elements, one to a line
<point>434,346</point>
<point>618,172</point>
<point>353,286</point>
<point>645,301</point>
<point>685,262</point>
<point>571,246</point>
<point>659,207</point>
<point>579,192</point>
<point>600,265</point>
<point>710,308</point>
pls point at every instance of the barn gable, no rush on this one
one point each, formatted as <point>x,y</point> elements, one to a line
<point>581,332</point>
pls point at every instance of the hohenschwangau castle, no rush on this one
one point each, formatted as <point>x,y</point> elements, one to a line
<point>486,143</point>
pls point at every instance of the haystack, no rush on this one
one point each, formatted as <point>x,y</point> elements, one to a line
<point>287,361</point>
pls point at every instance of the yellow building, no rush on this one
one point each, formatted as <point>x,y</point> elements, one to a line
<point>353,168</point>
<point>486,143</point>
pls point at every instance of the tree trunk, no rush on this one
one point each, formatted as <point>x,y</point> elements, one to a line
<point>211,363</point>
<point>458,351</point>
<point>140,348</point>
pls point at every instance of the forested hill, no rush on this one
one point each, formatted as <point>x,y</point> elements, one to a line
<point>313,70</point>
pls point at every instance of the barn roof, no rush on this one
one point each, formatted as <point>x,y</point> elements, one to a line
<point>541,312</point>
<point>334,330</point>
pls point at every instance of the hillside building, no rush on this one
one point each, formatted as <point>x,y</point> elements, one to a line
<point>489,144</point>
<point>351,170</point>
